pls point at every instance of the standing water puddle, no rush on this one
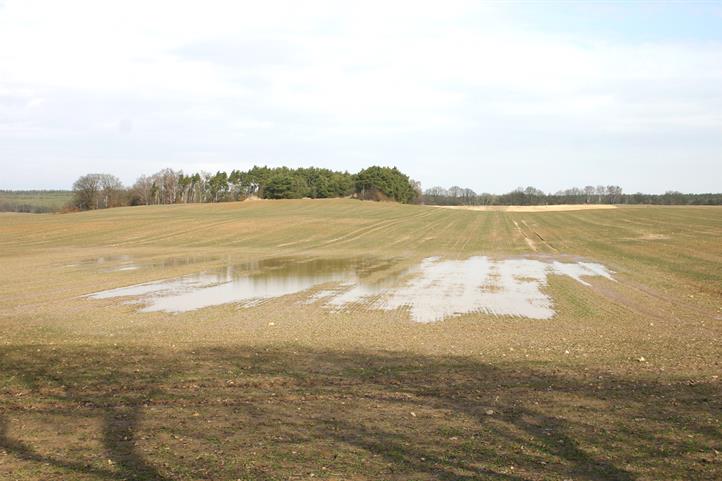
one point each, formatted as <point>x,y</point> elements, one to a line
<point>430,291</point>
<point>128,263</point>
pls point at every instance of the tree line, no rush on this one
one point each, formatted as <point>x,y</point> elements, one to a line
<point>168,186</point>
<point>601,194</point>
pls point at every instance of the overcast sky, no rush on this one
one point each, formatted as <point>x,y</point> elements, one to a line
<point>487,96</point>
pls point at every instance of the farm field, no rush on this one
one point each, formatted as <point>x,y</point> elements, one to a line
<point>619,382</point>
<point>39,201</point>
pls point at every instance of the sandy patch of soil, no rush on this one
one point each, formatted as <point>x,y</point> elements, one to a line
<point>653,237</point>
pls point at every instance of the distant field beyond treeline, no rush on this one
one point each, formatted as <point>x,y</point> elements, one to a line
<point>34,201</point>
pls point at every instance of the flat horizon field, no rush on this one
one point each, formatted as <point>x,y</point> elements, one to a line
<point>590,350</point>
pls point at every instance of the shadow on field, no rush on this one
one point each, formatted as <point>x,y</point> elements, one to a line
<point>230,413</point>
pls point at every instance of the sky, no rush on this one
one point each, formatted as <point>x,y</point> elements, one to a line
<point>485,95</point>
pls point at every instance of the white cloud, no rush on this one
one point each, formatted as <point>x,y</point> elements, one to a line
<point>419,84</point>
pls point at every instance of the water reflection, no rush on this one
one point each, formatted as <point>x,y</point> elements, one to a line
<point>430,291</point>
<point>249,283</point>
<point>130,263</point>
<point>437,289</point>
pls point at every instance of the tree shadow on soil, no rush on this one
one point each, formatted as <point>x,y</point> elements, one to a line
<point>267,414</point>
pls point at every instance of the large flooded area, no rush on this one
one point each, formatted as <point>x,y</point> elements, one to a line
<point>432,290</point>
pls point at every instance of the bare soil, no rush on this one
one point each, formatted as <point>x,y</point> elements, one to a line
<point>623,383</point>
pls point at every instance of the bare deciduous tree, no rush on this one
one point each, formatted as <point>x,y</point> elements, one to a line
<point>143,189</point>
<point>96,191</point>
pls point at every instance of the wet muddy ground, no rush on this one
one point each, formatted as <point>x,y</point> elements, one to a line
<point>431,290</point>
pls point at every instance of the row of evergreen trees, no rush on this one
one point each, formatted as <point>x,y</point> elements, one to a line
<point>169,186</point>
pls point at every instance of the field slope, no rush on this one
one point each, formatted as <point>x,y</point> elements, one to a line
<point>621,384</point>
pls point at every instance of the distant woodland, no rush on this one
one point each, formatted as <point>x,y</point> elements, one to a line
<point>168,186</point>
<point>601,194</point>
